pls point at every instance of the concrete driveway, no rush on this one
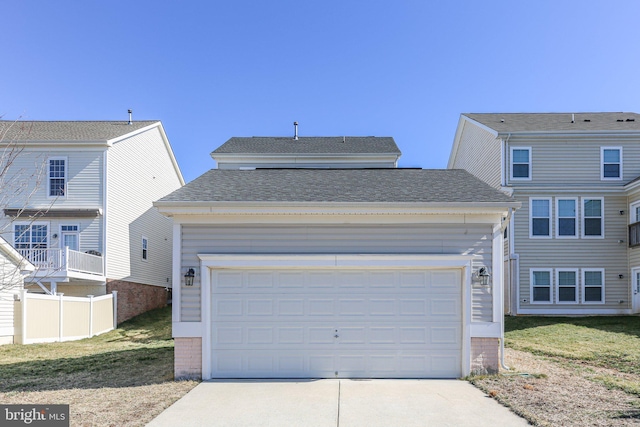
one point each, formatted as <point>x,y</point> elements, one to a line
<point>342,403</point>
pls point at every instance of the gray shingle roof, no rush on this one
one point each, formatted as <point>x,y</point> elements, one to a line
<point>67,130</point>
<point>309,145</point>
<point>550,122</point>
<point>338,185</point>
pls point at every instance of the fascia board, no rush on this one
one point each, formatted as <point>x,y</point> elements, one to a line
<point>199,208</point>
<point>39,144</point>
<point>20,261</point>
<point>174,162</point>
<point>575,134</point>
<point>132,133</point>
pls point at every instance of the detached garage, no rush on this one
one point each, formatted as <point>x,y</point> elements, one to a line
<point>343,272</point>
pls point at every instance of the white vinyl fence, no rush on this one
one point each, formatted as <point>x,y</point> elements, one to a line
<point>50,318</point>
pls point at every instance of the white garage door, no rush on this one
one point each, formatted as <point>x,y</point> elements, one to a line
<point>336,323</point>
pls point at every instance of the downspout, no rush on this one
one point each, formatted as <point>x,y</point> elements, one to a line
<point>502,228</point>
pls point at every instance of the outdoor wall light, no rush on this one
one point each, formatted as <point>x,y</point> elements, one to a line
<point>188,277</point>
<point>620,276</point>
<point>482,275</point>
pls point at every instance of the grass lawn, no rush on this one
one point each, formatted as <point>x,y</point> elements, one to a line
<point>607,342</point>
<point>123,378</point>
<point>570,371</point>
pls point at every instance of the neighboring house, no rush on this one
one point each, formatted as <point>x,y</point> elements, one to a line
<point>13,268</point>
<point>315,257</point>
<point>87,221</point>
<point>574,247</point>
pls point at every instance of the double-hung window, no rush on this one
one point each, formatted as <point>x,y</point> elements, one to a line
<point>521,163</point>
<point>593,285</point>
<point>540,286</point>
<point>57,177</point>
<point>566,218</point>
<point>540,214</point>
<point>145,248</point>
<point>611,163</point>
<point>592,217</point>
<point>566,286</point>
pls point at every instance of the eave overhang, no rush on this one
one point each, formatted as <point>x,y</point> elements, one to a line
<point>53,213</point>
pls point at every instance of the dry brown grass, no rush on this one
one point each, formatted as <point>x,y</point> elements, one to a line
<point>122,378</point>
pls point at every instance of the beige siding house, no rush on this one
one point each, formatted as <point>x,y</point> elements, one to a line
<point>83,214</point>
<point>318,258</point>
<point>573,247</point>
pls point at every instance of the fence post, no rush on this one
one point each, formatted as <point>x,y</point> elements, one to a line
<point>24,316</point>
<point>115,309</point>
<point>90,315</point>
<point>61,316</point>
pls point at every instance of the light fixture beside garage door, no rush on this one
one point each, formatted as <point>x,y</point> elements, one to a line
<point>482,276</point>
<point>188,277</point>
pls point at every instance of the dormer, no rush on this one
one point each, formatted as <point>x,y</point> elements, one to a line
<point>349,152</point>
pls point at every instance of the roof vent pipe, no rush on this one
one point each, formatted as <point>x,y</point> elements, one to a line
<point>573,118</point>
<point>130,113</point>
<point>295,129</point>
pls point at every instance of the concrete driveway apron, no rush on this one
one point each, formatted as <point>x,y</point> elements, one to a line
<point>337,403</point>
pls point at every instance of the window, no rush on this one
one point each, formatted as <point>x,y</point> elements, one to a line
<point>593,285</point>
<point>57,177</point>
<point>31,240</point>
<point>611,158</point>
<point>566,218</point>
<point>540,286</point>
<point>592,221</point>
<point>540,212</point>
<point>521,163</point>
<point>145,248</point>
<point>567,286</point>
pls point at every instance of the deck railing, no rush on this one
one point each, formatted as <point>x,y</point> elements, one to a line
<point>65,259</point>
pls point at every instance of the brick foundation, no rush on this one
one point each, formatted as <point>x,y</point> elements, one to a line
<point>187,358</point>
<point>485,355</point>
<point>136,298</point>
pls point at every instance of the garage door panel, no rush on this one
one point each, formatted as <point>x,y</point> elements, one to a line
<point>313,323</point>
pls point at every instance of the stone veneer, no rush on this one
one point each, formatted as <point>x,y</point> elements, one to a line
<point>485,355</point>
<point>187,358</point>
<point>136,298</point>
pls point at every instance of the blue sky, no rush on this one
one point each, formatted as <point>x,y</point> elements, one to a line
<point>210,70</point>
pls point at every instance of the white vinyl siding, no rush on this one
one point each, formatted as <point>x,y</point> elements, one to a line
<point>467,239</point>
<point>593,286</point>
<point>139,172</point>
<point>540,214</point>
<point>479,152</point>
<point>520,163</point>
<point>611,163</point>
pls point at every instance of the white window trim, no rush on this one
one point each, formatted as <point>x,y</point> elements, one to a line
<point>142,249</point>
<point>582,217</point>
<point>66,177</point>
<point>511,164</point>
<point>576,218</point>
<point>31,224</point>
<point>548,270</point>
<point>585,270</point>
<point>602,177</point>
<point>550,235</point>
<point>557,285</point>
<point>632,212</point>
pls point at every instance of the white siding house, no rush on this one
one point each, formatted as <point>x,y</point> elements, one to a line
<point>13,268</point>
<point>294,267</point>
<point>84,205</point>
<point>572,247</point>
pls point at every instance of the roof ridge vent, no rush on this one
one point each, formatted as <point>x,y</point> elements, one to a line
<point>631,120</point>
<point>619,120</point>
